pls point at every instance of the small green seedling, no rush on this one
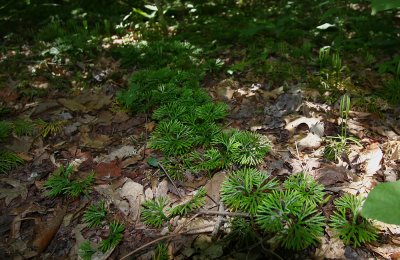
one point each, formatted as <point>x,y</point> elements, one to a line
<point>95,214</point>
<point>62,183</point>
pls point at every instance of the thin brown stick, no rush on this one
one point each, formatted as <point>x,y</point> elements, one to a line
<point>148,244</point>
<point>223,213</point>
<point>170,179</point>
<point>176,233</point>
<point>218,223</point>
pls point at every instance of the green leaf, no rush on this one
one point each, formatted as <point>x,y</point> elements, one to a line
<point>382,5</point>
<point>383,203</point>
<point>152,162</point>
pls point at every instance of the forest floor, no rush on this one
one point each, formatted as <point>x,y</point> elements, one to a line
<point>270,74</point>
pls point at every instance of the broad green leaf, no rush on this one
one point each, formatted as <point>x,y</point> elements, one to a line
<point>383,203</point>
<point>152,162</point>
<point>382,5</point>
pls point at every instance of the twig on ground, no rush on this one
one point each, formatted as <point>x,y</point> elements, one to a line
<point>223,213</point>
<point>170,179</point>
<point>176,233</point>
<point>219,220</point>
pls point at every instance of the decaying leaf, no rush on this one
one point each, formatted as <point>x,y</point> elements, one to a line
<point>112,196</point>
<point>46,231</point>
<point>331,175</point>
<point>95,141</point>
<point>86,102</point>
<point>330,248</point>
<point>18,189</point>
<point>371,159</point>
<point>134,193</point>
<point>213,187</point>
<point>107,171</point>
<point>119,154</point>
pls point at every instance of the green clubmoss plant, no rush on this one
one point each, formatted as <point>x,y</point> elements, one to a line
<point>95,214</point>
<point>251,148</point>
<point>296,222</point>
<point>50,128</point>
<point>211,112</point>
<point>152,213</point>
<point>196,202</point>
<point>86,251</point>
<point>242,233</point>
<point>348,223</point>
<point>337,145</point>
<point>172,138</point>
<point>8,161</point>
<point>306,186</point>
<point>115,235</point>
<point>246,189</point>
<point>61,183</point>
<point>161,252</point>
<point>5,130</point>
<point>24,127</point>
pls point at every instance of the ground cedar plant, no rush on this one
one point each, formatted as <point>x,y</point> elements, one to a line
<point>200,90</point>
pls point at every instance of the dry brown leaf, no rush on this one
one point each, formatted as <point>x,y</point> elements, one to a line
<point>46,231</point>
<point>19,189</point>
<point>330,248</point>
<point>95,141</point>
<point>120,117</point>
<point>106,171</point>
<point>86,102</point>
<point>213,187</point>
<point>330,175</point>
<point>371,159</point>
<point>134,193</point>
<point>112,196</point>
<point>150,126</point>
<point>104,118</point>
<point>119,154</point>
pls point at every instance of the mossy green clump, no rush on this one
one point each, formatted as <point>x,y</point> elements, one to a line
<point>149,89</point>
<point>159,54</point>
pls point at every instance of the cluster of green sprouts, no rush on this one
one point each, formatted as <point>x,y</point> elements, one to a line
<point>96,216</point>
<point>291,213</point>
<point>23,127</point>
<point>155,212</point>
<point>338,145</point>
<point>61,182</point>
